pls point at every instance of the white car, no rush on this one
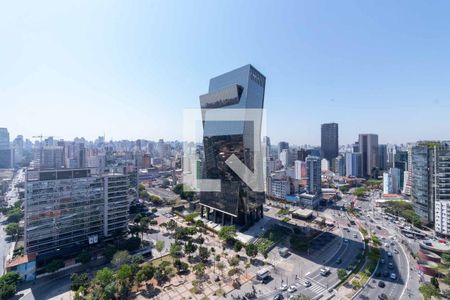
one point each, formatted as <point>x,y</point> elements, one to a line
<point>345,241</point>
<point>283,287</point>
<point>307,283</point>
<point>393,276</point>
<point>389,254</point>
<point>292,289</point>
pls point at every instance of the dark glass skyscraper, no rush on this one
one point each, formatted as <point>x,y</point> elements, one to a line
<point>242,88</point>
<point>329,141</point>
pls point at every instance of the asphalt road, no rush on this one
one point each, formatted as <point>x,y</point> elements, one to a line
<point>345,248</point>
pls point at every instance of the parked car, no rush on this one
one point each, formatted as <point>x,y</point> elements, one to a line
<point>381,284</point>
<point>284,287</point>
<point>292,289</point>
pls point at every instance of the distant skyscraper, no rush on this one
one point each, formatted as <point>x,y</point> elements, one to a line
<point>353,164</point>
<point>329,141</point>
<point>368,147</point>
<point>282,146</point>
<point>242,88</point>
<point>285,158</point>
<point>382,157</point>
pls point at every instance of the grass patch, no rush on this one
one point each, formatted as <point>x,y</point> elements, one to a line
<point>283,211</point>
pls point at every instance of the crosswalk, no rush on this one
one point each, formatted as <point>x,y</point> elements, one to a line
<point>315,287</point>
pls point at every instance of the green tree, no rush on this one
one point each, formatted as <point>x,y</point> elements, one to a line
<point>13,229</point>
<point>203,253</point>
<point>175,250</point>
<point>8,285</point>
<point>341,274</point>
<point>79,280</point>
<point>171,225</point>
<point>159,246</point>
<point>237,246</point>
<point>124,277</point>
<point>199,269</point>
<point>54,265</point>
<point>227,233</point>
<point>181,266</point>
<point>120,258</point>
<point>84,256</point>
<point>145,273</point>
<point>109,252</point>
<point>251,250</point>
<point>104,277</point>
<point>434,282</point>
<point>189,248</point>
<point>428,290</point>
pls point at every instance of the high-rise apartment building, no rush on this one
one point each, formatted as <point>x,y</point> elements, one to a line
<point>430,191</point>
<point>67,209</point>
<point>313,167</point>
<point>368,147</point>
<point>329,141</point>
<point>236,202</point>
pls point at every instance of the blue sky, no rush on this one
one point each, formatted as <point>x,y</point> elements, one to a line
<point>129,68</point>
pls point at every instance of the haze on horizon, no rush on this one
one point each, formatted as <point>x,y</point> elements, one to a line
<point>83,69</point>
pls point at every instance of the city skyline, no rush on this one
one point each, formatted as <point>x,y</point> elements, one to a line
<point>368,74</point>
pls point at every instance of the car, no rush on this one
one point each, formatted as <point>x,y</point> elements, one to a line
<point>324,271</point>
<point>383,297</point>
<point>283,287</point>
<point>278,297</point>
<point>389,254</point>
<point>395,251</point>
<point>382,261</point>
<point>307,283</point>
<point>392,243</point>
<point>393,276</point>
<point>338,261</point>
<point>345,241</point>
<point>381,284</point>
<point>391,265</point>
<point>292,297</point>
<point>292,289</point>
<point>355,235</point>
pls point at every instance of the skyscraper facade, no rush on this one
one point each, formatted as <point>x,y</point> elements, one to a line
<point>329,141</point>
<point>382,157</point>
<point>353,164</point>
<point>430,191</point>
<point>236,203</point>
<point>368,147</point>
